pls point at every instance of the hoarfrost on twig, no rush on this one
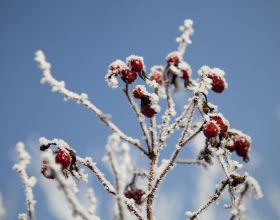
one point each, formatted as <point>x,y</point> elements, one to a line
<point>27,182</point>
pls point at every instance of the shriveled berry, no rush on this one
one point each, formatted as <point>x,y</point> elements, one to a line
<point>136,195</point>
<point>157,77</point>
<point>46,171</point>
<point>219,121</point>
<point>210,130</point>
<point>129,76</point>
<point>136,65</point>
<point>63,158</point>
<point>137,93</point>
<point>218,84</point>
<point>147,110</point>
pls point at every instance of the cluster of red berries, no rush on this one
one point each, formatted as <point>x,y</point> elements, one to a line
<point>240,144</point>
<point>237,141</point>
<point>128,72</point>
<point>62,157</point>
<point>215,126</point>
<point>135,194</point>
<point>146,103</point>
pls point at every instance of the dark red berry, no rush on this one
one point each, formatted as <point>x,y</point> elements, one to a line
<point>157,77</point>
<point>46,171</point>
<point>210,130</point>
<point>242,145</point>
<point>223,127</point>
<point>129,76</point>
<point>136,195</point>
<point>137,93</point>
<point>136,65</point>
<point>63,158</point>
<point>185,76</point>
<point>147,110</point>
<point>218,84</point>
<point>173,59</point>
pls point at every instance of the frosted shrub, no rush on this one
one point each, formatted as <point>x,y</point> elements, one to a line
<point>64,165</point>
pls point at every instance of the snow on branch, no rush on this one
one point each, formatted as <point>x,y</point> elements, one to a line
<point>214,198</point>
<point>66,186</point>
<point>92,201</point>
<point>139,116</point>
<point>59,86</point>
<point>220,140</point>
<point>184,39</point>
<point>27,182</point>
<point>87,162</point>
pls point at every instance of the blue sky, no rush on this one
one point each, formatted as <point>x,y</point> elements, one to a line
<point>80,39</point>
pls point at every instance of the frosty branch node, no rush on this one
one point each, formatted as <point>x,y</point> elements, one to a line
<point>149,97</point>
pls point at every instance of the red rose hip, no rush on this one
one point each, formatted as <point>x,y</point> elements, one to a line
<point>136,195</point>
<point>186,75</point>
<point>137,93</point>
<point>129,76</point>
<point>157,77</point>
<point>63,158</point>
<point>136,65</point>
<point>147,110</point>
<point>210,130</point>
<point>242,145</point>
<point>173,58</point>
<point>219,121</point>
<point>218,84</point>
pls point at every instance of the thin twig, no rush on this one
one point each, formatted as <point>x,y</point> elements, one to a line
<point>165,134</point>
<point>117,183</point>
<point>213,199</point>
<point>190,162</point>
<point>87,162</point>
<point>28,183</point>
<point>67,187</point>
<point>170,110</point>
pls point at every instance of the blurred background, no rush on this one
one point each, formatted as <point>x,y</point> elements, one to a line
<point>81,38</point>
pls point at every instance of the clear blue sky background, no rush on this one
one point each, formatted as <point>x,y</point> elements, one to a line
<point>80,39</point>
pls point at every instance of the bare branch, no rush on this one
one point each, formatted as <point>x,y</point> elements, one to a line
<point>28,183</point>
<point>80,99</point>
<point>100,176</point>
<point>117,184</point>
<point>213,199</point>
<point>190,162</point>
<point>67,187</point>
<point>182,142</point>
